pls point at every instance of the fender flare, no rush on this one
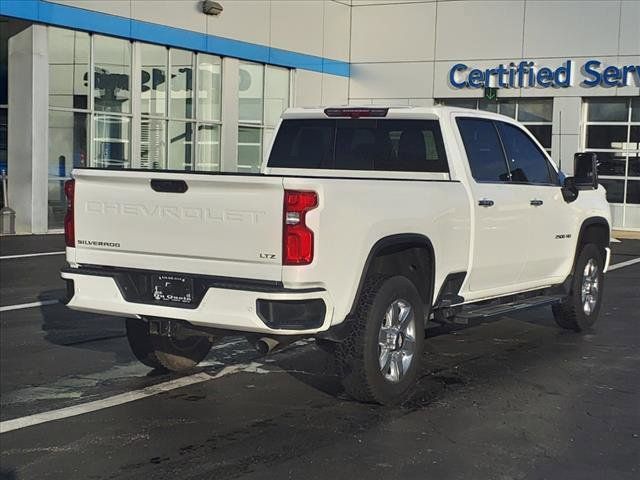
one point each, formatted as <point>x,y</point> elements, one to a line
<point>586,224</point>
<point>416,239</point>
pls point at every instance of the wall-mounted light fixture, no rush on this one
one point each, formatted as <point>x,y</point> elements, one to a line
<point>209,7</point>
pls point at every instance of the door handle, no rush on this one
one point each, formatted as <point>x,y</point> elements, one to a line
<point>485,202</point>
<point>536,203</point>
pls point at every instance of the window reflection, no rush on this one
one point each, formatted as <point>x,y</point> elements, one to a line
<point>68,68</point>
<point>208,148</point>
<point>250,90</point>
<point>153,95</point>
<point>111,141</point>
<point>152,143</point>
<point>112,69</point>
<point>276,91</point>
<point>67,149</point>
<point>209,86</point>
<point>181,84</point>
<point>180,145</point>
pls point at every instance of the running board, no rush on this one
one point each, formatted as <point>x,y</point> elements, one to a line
<point>477,313</point>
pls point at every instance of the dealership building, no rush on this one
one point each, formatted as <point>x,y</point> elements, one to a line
<point>199,86</point>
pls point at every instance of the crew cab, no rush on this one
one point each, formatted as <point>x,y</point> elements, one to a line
<point>363,225</point>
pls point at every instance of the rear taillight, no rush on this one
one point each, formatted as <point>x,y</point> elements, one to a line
<point>297,238</point>
<point>69,224</point>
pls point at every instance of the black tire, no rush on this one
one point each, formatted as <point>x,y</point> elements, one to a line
<point>571,312</point>
<point>166,353</point>
<point>179,355</point>
<point>140,342</point>
<point>326,345</point>
<point>359,355</point>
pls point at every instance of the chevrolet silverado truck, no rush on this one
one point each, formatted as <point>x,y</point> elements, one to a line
<point>363,225</point>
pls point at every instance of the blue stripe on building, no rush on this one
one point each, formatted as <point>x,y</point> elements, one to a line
<point>59,15</point>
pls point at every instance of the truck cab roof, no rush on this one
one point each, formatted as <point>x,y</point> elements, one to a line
<point>384,111</point>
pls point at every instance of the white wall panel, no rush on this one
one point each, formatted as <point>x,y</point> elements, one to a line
<point>297,25</point>
<point>334,90</point>
<point>121,8</point>
<point>571,28</point>
<point>567,115</point>
<point>246,20</point>
<point>337,22</point>
<point>487,29</point>
<point>185,14</point>
<point>563,148</point>
<point>630,28</point>
<point>404,32</point>
<point>308,89</point>
<point>391,80</point>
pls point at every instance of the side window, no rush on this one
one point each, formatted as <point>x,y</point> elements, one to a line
<point>526,161</point>
<point>483,148</point>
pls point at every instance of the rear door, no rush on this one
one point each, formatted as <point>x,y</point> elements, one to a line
<point>500,235</point>
<point>222,225</point>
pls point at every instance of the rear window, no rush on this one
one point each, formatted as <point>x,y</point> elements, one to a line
<point>363,144</point>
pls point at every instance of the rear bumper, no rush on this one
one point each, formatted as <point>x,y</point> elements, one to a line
<point>229,305</point>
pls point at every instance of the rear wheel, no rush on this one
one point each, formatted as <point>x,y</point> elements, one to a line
<point>380,359</point>
<point>172,353</point>
<point>579,310</point>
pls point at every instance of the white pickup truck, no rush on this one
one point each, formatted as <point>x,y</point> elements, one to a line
<point>363,225</point>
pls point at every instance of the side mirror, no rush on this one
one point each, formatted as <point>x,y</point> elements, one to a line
<point>569,189</point>
<point>585,170</point>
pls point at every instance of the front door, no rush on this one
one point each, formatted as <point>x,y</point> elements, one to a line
<point>549,218</point>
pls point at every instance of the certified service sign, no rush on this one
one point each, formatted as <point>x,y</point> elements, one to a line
<point>527,74</point>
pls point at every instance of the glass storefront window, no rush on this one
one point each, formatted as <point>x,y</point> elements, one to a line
<point>250,90</point>
<point>68,68</point>
<point>111,147</point>
<point>608,110</point>
<point>613,133</point>
<point>535,110</point>
<point>208,148</point>
<point>608,137</point>
<point>276,94</point>
<point>180,145</point>
<point>181,92</point>
<point>153,95</point>
<point>67,149</point>
<point>615,189</point>
<point>264,95</point>
<point>153,143</point>
<point>112,72</point>
<point>249,149</point>
<point>635,109</point>
<point>209,87</point>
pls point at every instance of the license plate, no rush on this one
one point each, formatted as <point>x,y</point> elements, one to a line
<point>172,288</point>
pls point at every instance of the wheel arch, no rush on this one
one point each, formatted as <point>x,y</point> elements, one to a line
<point>387,256</point>
<point>593,230</point>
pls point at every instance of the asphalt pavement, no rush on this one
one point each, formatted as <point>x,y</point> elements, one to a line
<point>516,398</point>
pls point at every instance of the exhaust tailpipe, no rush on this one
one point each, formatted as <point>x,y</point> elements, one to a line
<point>265,345</point>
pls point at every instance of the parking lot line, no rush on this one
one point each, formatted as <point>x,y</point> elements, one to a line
<point>27,255</point>
<point>120,399</point>
<point>624,264</point>
<point>41,303</point>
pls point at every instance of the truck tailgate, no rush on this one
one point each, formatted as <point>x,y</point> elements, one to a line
<point>222,225</point>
